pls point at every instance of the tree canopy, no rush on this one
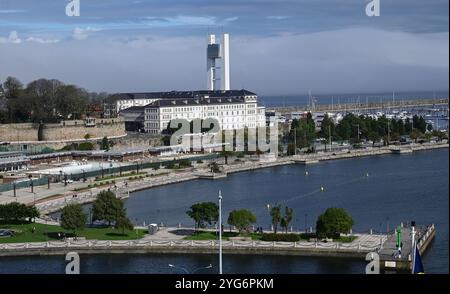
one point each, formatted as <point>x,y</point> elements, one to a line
<point>73,217</point>
<point>107,207</point>
<point>333,222</point>
<point>275,214</point>
<point>204,213</point>
<point>42,100</point>
<point>17,211</point>
<point>241,219</point>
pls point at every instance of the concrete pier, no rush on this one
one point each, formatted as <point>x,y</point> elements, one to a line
<point>393,260</point>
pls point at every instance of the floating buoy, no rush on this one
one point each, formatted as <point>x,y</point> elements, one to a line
<point>306,173</point>
<point>322,189</point>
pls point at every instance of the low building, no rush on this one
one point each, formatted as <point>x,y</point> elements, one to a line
<point>13,161</point>
<point>134,118</point>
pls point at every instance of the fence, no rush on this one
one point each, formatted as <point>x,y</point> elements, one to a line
<point>24,184</point>
<point>136,167</point>
<point>212,244</point>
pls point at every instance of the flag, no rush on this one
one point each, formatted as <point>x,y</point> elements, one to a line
<point>417,263</point>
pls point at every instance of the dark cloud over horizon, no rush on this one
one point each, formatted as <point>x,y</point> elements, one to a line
<point>277,46</point>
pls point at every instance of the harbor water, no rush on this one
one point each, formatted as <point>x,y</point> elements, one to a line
<point>379,192</point>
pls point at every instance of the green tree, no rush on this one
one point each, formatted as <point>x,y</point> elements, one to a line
<point>73,218</point>
<point>215,168</point>
<point>291,149</point>
<point>303,130</point>
<point>287,218</point>
<point>415,135</point>
<point>107,207</point>
<point>241,219</point>
<point>123,223</point>
<point>333,222</point>
<point>275,213</point>
<point>327,128</point>
<point>104,145</point>
<point>32,213</point>
<point>12,87</point>
<point>17,211</point>
<point>204,213</point>
<point>374,137</point>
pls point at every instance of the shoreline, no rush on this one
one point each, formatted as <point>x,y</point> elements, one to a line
<point>54,204</point>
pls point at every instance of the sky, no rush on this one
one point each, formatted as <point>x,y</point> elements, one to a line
<point>278,47</point>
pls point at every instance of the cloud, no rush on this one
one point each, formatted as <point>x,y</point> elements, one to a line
<point>231,19</point>
<point>83,33</point>
<point>13,38</point>
<point>41,41</point>
<point>278,17</point>
<point>340,61</point>
<point>12,11</point>
<point>188,20</point>
<point>181,20</point>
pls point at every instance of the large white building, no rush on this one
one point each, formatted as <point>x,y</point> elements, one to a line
<point>234,109</point>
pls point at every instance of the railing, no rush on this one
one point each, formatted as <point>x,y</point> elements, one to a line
<point>352,247</point>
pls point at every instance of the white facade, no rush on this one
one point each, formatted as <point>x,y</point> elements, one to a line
<point>230,113</point>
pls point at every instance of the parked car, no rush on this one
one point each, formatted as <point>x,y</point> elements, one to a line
<point>5,233</point>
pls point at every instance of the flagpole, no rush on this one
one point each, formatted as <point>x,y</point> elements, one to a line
<point>413,246</point>
<point>220,232</point>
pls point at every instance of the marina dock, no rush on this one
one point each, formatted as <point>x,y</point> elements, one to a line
<point>348,107</point>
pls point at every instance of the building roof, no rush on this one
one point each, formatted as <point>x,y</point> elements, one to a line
<point>194,102</point>
<point>183,94</point>
<point>133,109</point>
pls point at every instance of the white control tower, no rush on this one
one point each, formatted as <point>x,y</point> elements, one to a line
<point>218,51</point>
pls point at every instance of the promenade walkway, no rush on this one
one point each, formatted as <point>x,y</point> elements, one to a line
<point>168,240</point>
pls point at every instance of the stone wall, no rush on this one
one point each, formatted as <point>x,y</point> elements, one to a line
<point>18,132</point>
<point>63,131</point>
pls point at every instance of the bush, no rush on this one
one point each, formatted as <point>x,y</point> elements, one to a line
<point>85,146</point>
<point>199,161</point>
<point>280,237</point>
<point>307,236</point>
<point>170,165</point>
<point>185,163</point>
<point>17,211</point>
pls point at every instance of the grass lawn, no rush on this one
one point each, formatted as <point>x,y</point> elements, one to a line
<point>118,176</point>
<point>42,233</point>
<point>209,235</point>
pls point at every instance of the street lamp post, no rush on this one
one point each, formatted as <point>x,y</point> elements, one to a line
<point>306,223</point>
<point>220,232</point>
